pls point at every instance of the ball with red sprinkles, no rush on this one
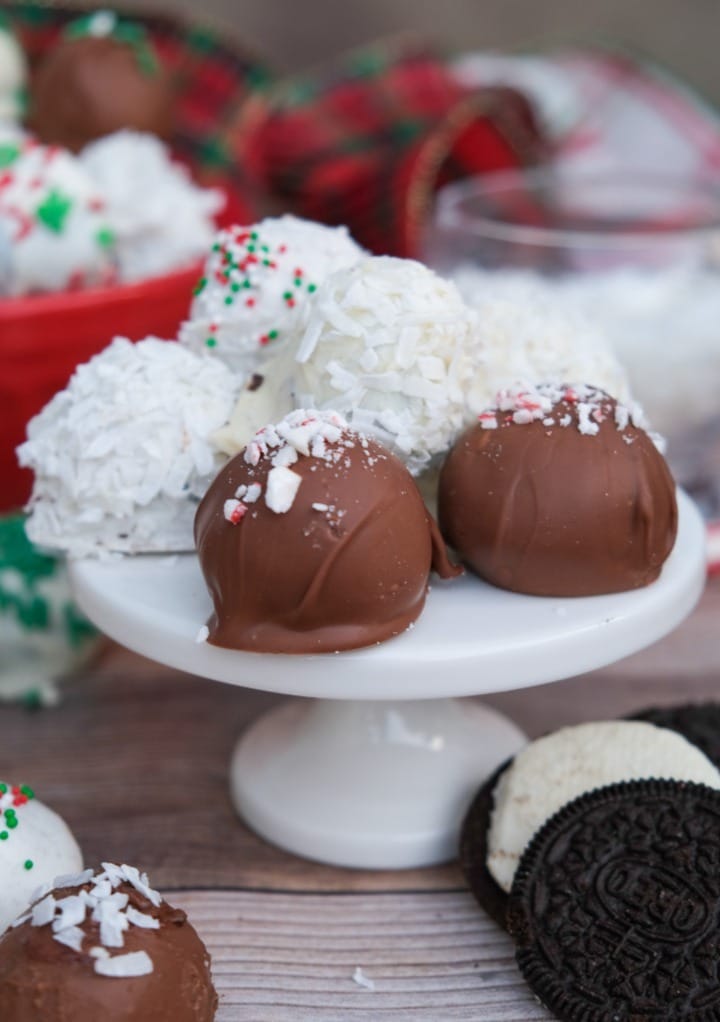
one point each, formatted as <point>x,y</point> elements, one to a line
<point>257,283</point>
<point>55,220</point>
<point>35,846</point>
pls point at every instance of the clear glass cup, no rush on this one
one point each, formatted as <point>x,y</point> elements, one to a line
<point>638,254</point>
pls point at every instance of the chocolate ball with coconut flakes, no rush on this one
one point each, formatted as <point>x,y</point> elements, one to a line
<point>315,539</point>
<point>559,491</point>
<point>104,946</point>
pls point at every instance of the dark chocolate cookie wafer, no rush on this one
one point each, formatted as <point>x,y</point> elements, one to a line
<point>615,907</point>
<point>698,722</point>
<point>474,851</point>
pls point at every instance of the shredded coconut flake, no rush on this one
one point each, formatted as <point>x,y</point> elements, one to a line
<point>362,980</point>
<point>137,963</point>
<point>105,905</point>
<point>122,455</point>
<point>390,346</point>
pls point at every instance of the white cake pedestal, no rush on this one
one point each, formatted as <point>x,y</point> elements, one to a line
<point>377,771</point>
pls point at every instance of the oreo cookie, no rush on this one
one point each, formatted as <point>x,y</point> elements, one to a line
<point>474,851</point>
<point>698,722</point>
<point>615,906</point>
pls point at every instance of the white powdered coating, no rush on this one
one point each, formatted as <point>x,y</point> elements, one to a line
<point>259,282</point>
<point>55,218</point>
<point>660,321</point>
<point>13,76</point>
<point>161,220</point>
<point>560,767</point>
<point>122,455</point>
<point>523,334</point>
<point>42,838</point>
<point>389,344</point>
<point>105,905</point>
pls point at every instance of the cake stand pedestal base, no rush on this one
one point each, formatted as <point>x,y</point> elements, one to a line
<point>373,785</point>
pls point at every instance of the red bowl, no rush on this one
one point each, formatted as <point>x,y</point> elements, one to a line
<point>44,337</point>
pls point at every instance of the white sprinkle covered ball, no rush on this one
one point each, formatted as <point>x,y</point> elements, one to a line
<point>161,220</point>
<point>388,344</point>
<point>55,218</point>
<point>35,846</point>
<point>122,455</point>
<point>257,284</point>
<point>523,334</point>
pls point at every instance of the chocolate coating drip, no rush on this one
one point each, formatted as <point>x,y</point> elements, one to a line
<point>90,87</point>
<point>41,979</point>
<point>349,572</point>
<point>550,511</point>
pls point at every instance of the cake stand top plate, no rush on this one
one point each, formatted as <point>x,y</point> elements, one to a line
<point>471,638</point>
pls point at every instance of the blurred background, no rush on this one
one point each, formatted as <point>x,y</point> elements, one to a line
<point>681,34</point>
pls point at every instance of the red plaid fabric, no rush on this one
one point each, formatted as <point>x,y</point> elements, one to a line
<point>213,79</point>
<point>368,141</point>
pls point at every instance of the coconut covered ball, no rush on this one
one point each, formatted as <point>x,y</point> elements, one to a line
<point>388,344</point>
<point>122,455</point>
<point>522,334</point>
<point>54,220</point>
<point>257,284</point>
<point>35,846</point>
<point>101,76</point>
<point>13,74</point>
<point>161,220</point>
<point>104,946</point>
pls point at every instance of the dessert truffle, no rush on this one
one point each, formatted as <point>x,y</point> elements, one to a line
<point>256,285</point>
<point>559,491</point>
<point>523,334</point>
<point>13,74</point>
<point>104,946</point>
<point>559,767</point>
<point>160,219</point>
<point>35,845</point>
<point>388,344</point>
<point>102,76</point>
<point>123,454</point>
<point>314,539</point>
<point>53,217</point>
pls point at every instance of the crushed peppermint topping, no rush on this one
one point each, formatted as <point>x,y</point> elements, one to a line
<point>303,432</point>
<point>104,905</point>
<point>543,402</point>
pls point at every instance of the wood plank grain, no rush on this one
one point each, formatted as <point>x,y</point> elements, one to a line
<point>136,759</point>
<point>291,957</point>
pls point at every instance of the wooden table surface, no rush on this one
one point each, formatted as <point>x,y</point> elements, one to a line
<point>136,759</point>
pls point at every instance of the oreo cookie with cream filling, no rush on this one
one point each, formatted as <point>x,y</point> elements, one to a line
<point>615,907</point>
<point>698,722</point>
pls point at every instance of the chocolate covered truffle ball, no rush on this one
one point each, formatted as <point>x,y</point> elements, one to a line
<point>102,76</point>
<point>559,491</point>
<point>314,539</point>
<point>104,946</point>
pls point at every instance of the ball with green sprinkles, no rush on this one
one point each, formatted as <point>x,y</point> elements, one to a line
<point>36,845</point>
<point>257,284</point>
<point>55,219</point>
